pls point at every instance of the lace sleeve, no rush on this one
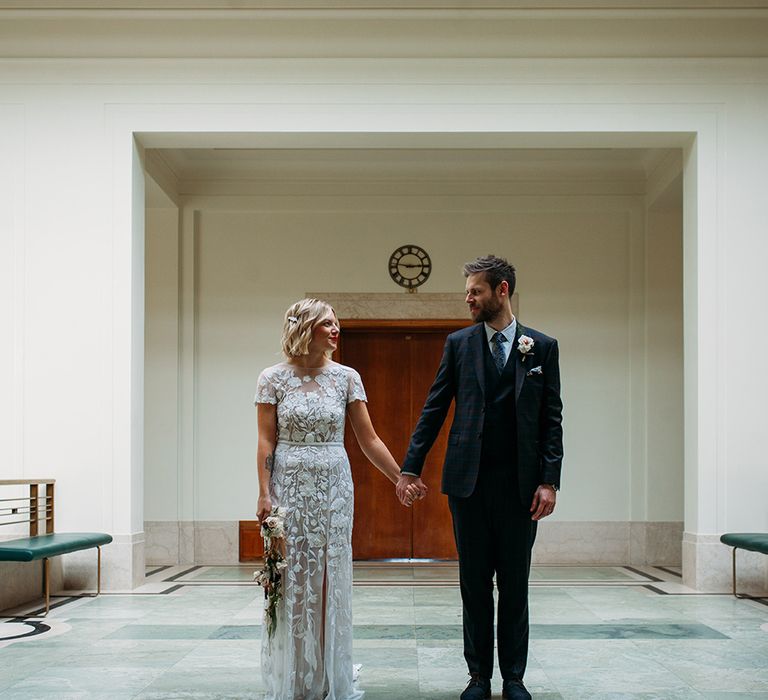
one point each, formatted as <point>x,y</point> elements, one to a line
<point>355,390</point>
<point>265,389</point>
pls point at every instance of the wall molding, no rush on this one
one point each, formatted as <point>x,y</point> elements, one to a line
<point>392,29</point>
<point>397,305</point>
<point>636,7</point>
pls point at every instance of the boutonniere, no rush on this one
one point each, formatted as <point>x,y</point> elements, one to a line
<point>525,346</point>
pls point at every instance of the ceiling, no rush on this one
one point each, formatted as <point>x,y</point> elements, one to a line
<point>236,164</point>
<point>265,171</point>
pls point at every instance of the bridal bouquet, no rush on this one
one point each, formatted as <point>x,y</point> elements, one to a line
<point>270,576</point>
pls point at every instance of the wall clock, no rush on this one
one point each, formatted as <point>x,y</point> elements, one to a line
<point>410,266</point>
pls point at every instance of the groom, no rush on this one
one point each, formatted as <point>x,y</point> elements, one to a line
<point>502,466</point>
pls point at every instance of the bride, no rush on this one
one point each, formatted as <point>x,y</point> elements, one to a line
<point>303,468</point>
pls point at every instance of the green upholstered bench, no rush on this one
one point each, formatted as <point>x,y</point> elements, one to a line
<point>751,541</point>
<point>32,509</point>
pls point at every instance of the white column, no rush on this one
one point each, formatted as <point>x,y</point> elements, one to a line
<point>726,343</point>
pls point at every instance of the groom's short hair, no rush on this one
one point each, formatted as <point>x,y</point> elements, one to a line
<point>496,270</point>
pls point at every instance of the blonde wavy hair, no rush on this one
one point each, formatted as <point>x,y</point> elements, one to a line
<point>298,324</point>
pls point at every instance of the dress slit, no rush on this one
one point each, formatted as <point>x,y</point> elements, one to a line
<point>324,606</point>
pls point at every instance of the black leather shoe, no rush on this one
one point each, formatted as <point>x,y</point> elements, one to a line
<point>513,689</point>
<point>479,688</point>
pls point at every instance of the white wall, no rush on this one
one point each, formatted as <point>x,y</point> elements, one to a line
<point>664,359</point>
<point>578,259</point>
<point>73,297</point>
<point>573,284</point>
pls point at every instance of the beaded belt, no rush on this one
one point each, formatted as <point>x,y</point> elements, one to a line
<point>310,444</point>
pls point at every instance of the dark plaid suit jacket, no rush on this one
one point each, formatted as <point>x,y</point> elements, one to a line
<point>460,377</point>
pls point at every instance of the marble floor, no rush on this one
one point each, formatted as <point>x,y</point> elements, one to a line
<point>194,632</point>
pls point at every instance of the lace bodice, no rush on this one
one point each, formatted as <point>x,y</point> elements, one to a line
<point>311,403</point>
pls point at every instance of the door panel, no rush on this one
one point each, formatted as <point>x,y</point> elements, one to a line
<point>398,366</point>
<point>432,523</point>
<point>382,526</point>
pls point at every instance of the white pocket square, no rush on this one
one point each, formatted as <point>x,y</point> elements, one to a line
<point>534,370</point>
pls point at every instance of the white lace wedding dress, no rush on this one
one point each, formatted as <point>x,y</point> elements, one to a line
<point>310,655</point>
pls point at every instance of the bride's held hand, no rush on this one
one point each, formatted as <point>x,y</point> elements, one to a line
<point>410,489</point>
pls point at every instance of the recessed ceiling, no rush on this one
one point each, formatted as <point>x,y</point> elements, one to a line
<point>484,164</point>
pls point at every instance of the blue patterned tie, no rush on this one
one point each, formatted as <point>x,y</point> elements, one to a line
<point>497,340</point>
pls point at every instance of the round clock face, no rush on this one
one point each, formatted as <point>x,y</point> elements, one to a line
<point>410,266</point>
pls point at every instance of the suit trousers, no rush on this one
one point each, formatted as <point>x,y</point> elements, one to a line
<point>494,535</point>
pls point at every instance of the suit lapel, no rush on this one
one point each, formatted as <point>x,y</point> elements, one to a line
<point>520,367</point>
<point>476,348</point>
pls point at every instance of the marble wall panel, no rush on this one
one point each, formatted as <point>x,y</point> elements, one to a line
<point>20,582</point>
<point>664,543</point>
<point>122,566</point>
<point>192,542</point>
<point>162,546</point>
<point>707,566</point>
<point>582,543</point>
<point>655,543</point>
<point>187,542</point>
<point>217,542</point>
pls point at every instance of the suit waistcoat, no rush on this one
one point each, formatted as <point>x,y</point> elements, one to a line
<point>499,441</point>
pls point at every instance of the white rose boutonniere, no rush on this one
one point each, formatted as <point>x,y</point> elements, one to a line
<point>525,345</point>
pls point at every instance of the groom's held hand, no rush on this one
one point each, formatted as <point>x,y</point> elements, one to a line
<point>543,502</point>
<point>410,488</point>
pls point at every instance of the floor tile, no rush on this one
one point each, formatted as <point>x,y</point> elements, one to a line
<point>597,633</point>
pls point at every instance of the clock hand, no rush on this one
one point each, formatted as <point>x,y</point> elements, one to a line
<point>409,265</point>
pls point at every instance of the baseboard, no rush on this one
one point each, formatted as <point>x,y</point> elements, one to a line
<point>573,542</point>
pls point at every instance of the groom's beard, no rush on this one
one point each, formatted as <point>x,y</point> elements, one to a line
<point>489,311</point>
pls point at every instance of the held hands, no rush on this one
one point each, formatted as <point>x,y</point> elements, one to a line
<point>543,502</point>
<point>410,489</point>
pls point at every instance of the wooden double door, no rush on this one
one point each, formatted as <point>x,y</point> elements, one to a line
<point>397,361</point>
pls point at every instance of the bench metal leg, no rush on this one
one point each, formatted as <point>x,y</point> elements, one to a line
<point>47,583</point>
<point>741,596</point>
<point>47,579</point>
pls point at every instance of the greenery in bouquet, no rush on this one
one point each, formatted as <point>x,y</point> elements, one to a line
<point>270,576</point>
